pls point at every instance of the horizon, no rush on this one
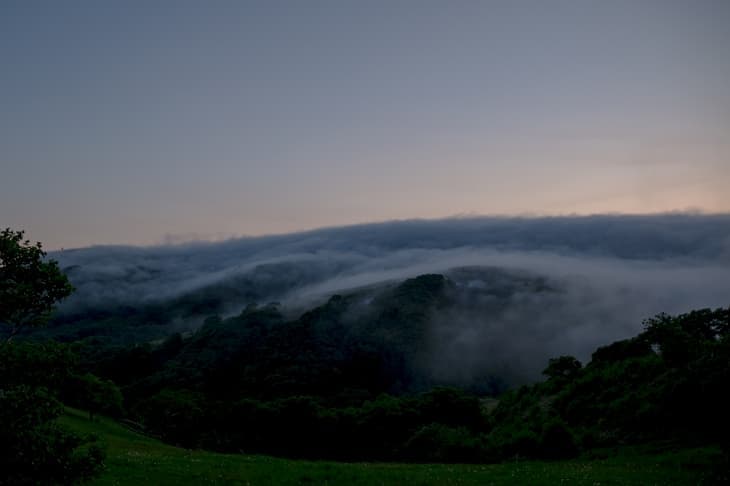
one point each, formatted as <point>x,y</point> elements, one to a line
<point>193,239</point>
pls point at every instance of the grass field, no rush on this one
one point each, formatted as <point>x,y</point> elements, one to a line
<point>135,459</point>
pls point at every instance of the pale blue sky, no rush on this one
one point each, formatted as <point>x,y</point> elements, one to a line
<point>124,122</point>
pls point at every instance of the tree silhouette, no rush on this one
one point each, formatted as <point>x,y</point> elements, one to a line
<point>30,285</point>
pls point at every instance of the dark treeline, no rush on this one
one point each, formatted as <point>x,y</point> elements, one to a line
<point>352,379</point>
<point>668,383</point>
<point>413,371</point>
<point>36,380</point>
<point>316,387</point>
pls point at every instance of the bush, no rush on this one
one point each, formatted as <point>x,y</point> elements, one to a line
<point>47,365</point>
<point>36,450</point>
<point>512,442</point>
<point>557,441</point>
<point>441,443</point>
<point>174,415</point>
<point>94,395</point>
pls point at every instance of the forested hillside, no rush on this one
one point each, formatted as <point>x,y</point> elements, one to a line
<point>434,368</point>
<point>318,387</point>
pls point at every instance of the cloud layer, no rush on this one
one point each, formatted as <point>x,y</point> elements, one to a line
<point>598,278</point>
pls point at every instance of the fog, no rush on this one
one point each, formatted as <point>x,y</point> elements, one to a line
<point>573,282</point>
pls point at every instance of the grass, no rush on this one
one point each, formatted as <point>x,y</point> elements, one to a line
<point>136,459</point>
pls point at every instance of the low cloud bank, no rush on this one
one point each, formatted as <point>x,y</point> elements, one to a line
<point>603,275</point>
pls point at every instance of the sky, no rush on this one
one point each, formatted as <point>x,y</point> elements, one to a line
<point>150,122</point>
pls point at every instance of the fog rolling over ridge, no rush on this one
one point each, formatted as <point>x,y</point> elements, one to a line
<point>521,289</point>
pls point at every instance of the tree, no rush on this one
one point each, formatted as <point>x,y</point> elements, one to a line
<point>30,285</point>
<point>96,395</point>
<point>562,368</point>
<point>35,449</point>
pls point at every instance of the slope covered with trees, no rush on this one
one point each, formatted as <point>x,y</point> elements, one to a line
<point>318,387</point>
<point>352,379</point>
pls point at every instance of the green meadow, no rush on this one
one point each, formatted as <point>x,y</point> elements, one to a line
<point>133,458</point>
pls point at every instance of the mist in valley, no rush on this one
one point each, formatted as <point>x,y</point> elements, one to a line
<point>521,290</point>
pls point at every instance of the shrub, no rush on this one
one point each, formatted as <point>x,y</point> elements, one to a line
<point>36,450</point>
<point>441,443</point>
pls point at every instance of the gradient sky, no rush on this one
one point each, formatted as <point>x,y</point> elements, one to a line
<point>144,122</point>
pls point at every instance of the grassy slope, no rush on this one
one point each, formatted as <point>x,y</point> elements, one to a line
<point>136,459</point>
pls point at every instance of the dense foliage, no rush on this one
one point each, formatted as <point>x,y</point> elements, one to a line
<point>29,285</point>
<point>319,387</point>
<point>347,380</point>
<point>667,383</point>
<point>34,449</point>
